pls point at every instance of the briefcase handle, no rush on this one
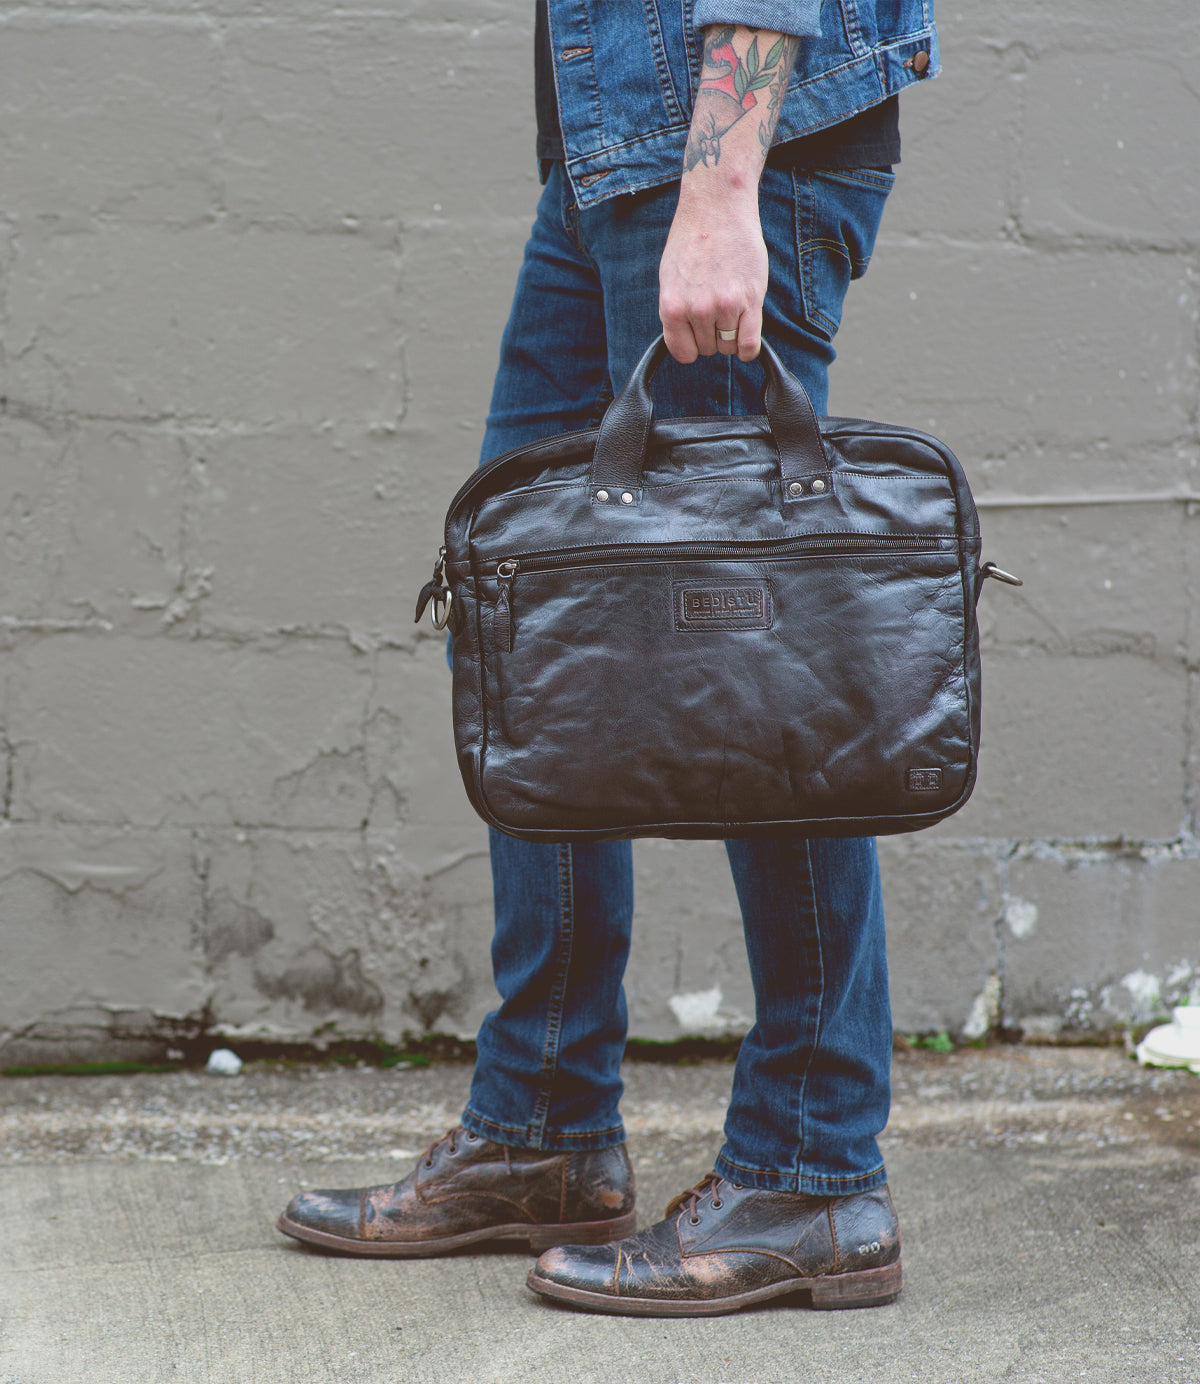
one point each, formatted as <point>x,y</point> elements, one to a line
<point>620,453</point>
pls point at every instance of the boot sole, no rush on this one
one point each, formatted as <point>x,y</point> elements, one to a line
<point>540,1237</point>
<point>866,1288</point>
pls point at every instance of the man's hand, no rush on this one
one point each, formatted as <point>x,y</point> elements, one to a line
<point>713,274</point>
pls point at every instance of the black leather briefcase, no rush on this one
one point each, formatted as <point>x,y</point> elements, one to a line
<point>715,627</point>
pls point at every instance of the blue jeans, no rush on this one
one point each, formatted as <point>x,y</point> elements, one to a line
<point>811,1084</point>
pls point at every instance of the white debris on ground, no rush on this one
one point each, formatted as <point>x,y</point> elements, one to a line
<point>1176,1044</point>
<point>223,1062</point>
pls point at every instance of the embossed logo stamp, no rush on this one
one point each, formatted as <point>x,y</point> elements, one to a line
<point>743,605</point>
<point>924,780</point>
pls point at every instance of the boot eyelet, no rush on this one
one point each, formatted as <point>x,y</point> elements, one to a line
<point>717,1205</point>
<point>695,1220</point>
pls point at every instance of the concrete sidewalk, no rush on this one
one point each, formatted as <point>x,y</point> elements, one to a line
<point>1050,1202</point>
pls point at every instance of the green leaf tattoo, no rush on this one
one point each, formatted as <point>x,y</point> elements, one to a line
<point>726,91</point>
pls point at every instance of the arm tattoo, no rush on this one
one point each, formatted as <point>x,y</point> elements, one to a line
<point>727,87</point>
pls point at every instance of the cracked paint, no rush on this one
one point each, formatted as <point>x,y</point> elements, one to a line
<point>1021,917</point>
<point>700,1012</point>
<point>323,982</point>
<point>984,1015</point>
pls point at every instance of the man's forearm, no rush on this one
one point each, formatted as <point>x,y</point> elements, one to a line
<point>743,75</point>
<point>713,275</point>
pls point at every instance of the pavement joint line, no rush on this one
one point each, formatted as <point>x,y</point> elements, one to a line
<point>649,1120</point>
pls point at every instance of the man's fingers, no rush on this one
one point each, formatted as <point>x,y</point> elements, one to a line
<point>702,324</point>
<point>680,341</point>
<point>677,327</point>
<point>749,341</point>
<point>687,340</point>
<point>690,327</point>
<point>706,336</point>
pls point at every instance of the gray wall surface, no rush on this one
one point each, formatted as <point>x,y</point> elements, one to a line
<point>254,261</point>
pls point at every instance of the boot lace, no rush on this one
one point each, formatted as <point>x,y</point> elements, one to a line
<point>691,1199</point>
<point>451,1139</point>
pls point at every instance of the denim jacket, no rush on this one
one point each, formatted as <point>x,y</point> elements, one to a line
<point>625,73</point>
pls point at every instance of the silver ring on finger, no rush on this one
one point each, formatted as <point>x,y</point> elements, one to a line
<point>727,335</point>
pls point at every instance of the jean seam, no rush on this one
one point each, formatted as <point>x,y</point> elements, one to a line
<point>572,224</point>
<point>528,1131</point>
<point>862,177</point>
<point>812,1177</point>
<point>804,202</point>
<point>603,400</point>
<point>805,195</point>
<point>847,1180</point>
<point>557,1001</point>
<point>802,1086</point>
<point>858,264</point>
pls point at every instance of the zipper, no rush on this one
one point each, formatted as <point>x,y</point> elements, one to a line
<point>480,476</point>
<point>812,545</point>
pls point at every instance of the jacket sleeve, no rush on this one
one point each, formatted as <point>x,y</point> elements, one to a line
<point>799,17</point>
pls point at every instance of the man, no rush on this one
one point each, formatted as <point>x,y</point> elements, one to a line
<point>722,181</point>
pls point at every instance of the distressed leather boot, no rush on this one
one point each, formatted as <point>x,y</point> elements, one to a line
<point>722,1247</point>
<point>466,1189</point>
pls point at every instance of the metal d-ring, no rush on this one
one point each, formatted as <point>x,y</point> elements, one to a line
<point>440,621</point>
<point>989,569</point>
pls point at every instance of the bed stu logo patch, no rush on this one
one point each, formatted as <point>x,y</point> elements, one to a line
<point>702,605</point>
<point>924,780</point>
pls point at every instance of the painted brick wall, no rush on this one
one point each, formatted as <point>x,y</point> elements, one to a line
<point>254,261</point>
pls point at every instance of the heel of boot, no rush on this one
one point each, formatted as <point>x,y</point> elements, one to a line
<point>869,1288</point>
<point>542,1237</point>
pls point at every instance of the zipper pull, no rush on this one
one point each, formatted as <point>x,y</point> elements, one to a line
<point>502,622</point>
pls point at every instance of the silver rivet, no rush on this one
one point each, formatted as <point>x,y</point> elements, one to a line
<point>602,495</point>
<point>627,498</point>
<point>795,488</point>
<point>818,486</point>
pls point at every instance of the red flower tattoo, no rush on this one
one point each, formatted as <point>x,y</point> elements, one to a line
<point>726,91</point>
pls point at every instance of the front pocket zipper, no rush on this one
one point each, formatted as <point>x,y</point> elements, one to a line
<point>502,628</point>
<point>764,550</point>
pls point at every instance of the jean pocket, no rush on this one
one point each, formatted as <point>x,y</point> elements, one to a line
<point>838,212</point>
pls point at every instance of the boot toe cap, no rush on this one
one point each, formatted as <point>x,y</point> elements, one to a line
<point>589,1268</point>
<point>331,1213</point>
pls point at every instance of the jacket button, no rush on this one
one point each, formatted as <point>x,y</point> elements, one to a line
<point>919,62</point>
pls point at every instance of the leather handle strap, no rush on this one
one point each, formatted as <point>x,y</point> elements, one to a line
<point>625,429</point>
